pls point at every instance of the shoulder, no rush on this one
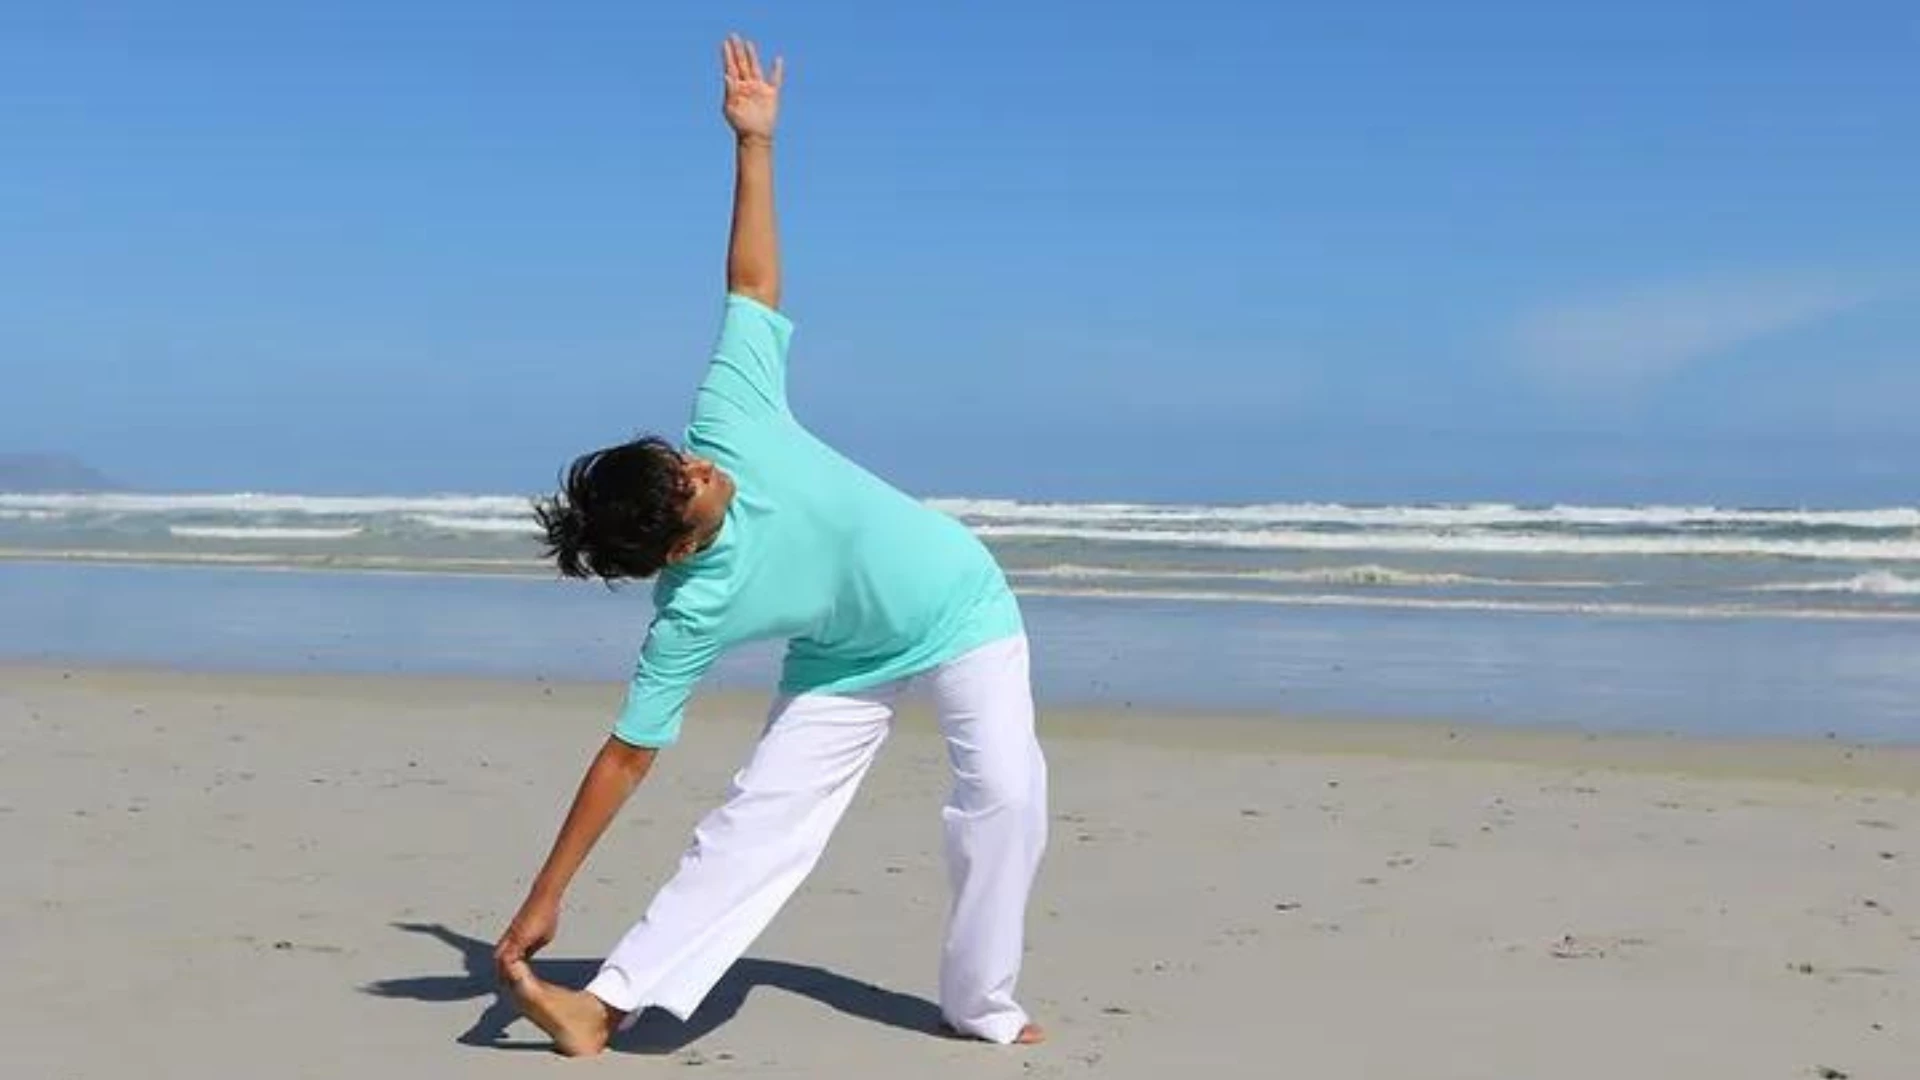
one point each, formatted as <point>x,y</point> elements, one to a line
<point>694,599</point>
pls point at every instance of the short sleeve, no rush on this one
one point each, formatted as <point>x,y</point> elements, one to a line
<point>673,659</point>
<point>748,373</point>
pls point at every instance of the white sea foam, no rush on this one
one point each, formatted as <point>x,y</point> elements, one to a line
<point>1460,515</point>
<point>1477,542</point>
<point>1546,607</point>
<point>255,503</point>
<point>1888,534</point>
<point>1010,512</point>
<point>456,523</point>
<point>262,532</point>
<point>1874,583</point>
<point>1367,575</point>
<point>355,562</point>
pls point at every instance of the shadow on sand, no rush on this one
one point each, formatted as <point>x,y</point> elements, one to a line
<point>656,1032</point>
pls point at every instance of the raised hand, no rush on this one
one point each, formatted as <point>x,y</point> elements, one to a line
<point>752,97</point>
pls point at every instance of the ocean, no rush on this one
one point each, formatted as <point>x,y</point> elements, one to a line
<point>1694,619</point>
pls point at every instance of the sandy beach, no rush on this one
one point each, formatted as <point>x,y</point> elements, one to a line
<point>303,876</point>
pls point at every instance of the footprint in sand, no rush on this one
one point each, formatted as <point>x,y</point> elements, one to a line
<point>1570,947</point>
<point>1858,971</point>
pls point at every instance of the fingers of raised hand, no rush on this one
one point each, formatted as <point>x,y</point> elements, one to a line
<point>733,63</point>
<point>740,60</point>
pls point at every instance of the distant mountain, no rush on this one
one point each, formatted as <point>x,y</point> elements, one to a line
<point>52,472</point>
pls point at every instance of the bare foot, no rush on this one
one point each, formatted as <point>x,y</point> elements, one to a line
<point>580,1023</point>
<point>1031,1035</point>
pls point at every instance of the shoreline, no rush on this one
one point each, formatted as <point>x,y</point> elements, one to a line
<point>1832,762</point>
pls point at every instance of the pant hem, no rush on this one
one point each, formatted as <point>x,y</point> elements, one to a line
<point>1000,1030</point>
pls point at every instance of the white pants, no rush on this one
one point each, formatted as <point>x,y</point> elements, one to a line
<point>749,855</point>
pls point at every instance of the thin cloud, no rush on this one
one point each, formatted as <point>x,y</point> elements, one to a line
<point>1626,340</point>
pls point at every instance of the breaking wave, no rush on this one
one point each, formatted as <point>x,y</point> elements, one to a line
<point>1368,575</point>
<point>1875,583</point>
<point>262,532</point>
<point>1477,542</point>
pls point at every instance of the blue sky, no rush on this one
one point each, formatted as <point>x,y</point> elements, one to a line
<point>1213,250</point>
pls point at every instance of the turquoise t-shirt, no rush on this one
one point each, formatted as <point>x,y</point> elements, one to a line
<point>867,584</point>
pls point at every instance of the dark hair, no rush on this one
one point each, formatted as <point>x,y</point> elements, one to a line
<point>619,513</point>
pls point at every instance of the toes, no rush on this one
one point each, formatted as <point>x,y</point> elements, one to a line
<point>522,981</point>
